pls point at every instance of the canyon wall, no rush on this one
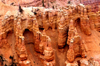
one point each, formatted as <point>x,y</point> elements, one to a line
<point>45,36</point>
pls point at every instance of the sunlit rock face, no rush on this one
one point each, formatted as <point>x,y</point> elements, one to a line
<point>57,34</point>
<point>38,2</point>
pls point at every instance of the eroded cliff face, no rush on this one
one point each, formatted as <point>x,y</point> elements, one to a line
<point>38,36</point>
<point>39,2</point>
<point>33,2</point>
<point>52,3</point>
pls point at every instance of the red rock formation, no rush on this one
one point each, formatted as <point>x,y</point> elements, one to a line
<point>39,36</point>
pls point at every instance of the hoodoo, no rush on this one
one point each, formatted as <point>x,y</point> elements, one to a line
<point>49,32</point>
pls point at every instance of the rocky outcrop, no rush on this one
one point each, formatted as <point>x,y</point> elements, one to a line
<point>39,36</point>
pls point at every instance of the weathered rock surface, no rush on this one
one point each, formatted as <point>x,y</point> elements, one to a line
<point>68,35</point>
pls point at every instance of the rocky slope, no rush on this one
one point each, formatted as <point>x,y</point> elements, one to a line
<point>36,2</point>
